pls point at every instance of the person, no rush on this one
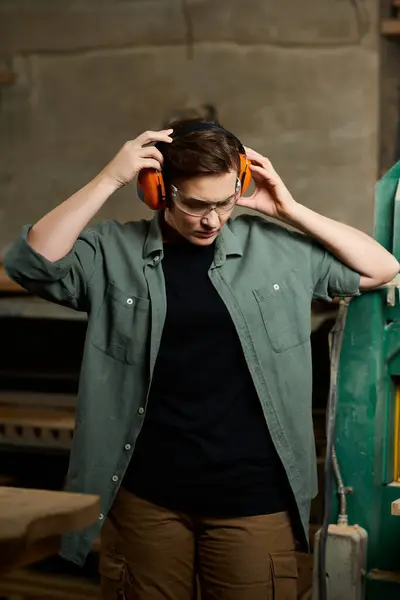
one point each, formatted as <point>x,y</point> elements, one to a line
<point>194,420</point>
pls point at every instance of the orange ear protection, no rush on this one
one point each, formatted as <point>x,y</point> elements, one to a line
<point>151,183</point>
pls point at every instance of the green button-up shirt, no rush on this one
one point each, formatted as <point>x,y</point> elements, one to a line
<point>266,277</point>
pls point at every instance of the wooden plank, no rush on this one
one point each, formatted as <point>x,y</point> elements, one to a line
<point>35,308</point>
<point>35,552</point>
<point>33,425</point>
<point>390,27</point>
<point>396,508</point>
<point>6,284</point>
<point>46,419</point>
<point>40,400</point>
<point>35,518</point>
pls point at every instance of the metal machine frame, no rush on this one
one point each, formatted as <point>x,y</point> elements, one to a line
<point>367,424</point>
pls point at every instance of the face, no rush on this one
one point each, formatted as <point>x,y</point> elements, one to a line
<point>192,193</point>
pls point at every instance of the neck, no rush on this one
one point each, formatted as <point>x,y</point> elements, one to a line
<point>169,234</point>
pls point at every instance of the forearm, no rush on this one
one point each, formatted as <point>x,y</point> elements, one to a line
<point>56,233</point>
<point>354,248</point>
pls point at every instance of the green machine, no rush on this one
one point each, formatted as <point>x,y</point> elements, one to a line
<point>361,547</point>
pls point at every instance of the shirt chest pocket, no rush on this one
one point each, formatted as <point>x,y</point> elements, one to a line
<point>122,326</point>
<point>285,308</point>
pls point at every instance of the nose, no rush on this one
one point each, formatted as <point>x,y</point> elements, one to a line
<point>211,220</point>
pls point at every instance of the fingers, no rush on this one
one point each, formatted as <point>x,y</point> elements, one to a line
<point>258,158</point>
<point>261,167</point>
<point>260,174</point>
<point>149,137</point>
<point>261,170</point>
<point>151,152</point>
<point>257,169</point>
<point>251,153</point>
<point>150,163</point>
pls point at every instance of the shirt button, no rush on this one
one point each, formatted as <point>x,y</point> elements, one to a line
<point>101,516</point>
<point>141,410</point>
<point>115,477</point>
<point>276,286</point>
<point>129,301</point>
<point>128,446</point>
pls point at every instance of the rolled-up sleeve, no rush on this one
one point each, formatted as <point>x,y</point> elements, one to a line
<point>331,278</point>
<point>64,281</point>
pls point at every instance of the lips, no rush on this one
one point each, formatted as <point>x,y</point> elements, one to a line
<point>207,234</point>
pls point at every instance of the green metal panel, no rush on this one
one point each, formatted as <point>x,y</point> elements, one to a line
<point>396,223</point>
<point>384,207</point>
<point>364,437</point>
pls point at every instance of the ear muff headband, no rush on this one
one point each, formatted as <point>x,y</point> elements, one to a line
<point>151,184</point>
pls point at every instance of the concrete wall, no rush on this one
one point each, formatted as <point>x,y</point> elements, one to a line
<point>296,80</point>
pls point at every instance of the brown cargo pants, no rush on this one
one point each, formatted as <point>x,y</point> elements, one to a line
<point>151,553</point>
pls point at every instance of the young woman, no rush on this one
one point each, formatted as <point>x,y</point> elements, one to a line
<point>194,419</point>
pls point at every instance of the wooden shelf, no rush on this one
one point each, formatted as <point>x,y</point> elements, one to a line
<point>26,305</point>
<point>38,400</point>
<point>32,521</point>
<point>396,508</point>
<point>30,307</point>
<point>6,285</point>
<point>390,27</point>
<point>27,427</point>
<point>37,420</point>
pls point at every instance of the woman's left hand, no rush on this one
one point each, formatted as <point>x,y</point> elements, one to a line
<point>271,197</point>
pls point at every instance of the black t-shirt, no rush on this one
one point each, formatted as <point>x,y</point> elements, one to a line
<point>204,446</point>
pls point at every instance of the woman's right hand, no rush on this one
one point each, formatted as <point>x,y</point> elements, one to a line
<point>136,155</point>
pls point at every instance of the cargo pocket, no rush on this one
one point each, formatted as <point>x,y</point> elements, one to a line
<point>114,576</point>
<point>284,575</point>
<point>115,583</point>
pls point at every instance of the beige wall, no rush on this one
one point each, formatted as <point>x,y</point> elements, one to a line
<point>296,80</point>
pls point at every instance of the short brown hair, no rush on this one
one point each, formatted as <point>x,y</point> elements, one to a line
<point>199,152</point>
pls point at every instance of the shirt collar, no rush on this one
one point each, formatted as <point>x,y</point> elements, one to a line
<point>154,241</point>
<point>227,244</point>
